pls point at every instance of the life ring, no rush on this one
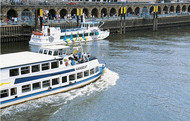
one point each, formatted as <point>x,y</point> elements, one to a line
<point>37,33</point>
<point>66,63</point>
<point>51,39</point>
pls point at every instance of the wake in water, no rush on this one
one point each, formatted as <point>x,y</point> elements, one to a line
<point>108,79</point>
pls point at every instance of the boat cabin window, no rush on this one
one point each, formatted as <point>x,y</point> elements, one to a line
<point>4,93</point>
<point>50,52</point>
<point>46,83</point>
<point>97,69</point>
<point>64,79</point>
<point>55,81</point>
<point>41,51</point>
<point>85,34</point>
<point>61,62</point>
<point>45,66</point>
<point>26,88</point>
<point>60,52</point>
<point>91,25</point>
<point>74,36</point>
<point>54,65</point>
<point>25,70</point>
<point>96,33</point>
<point>72,77</point>
<point>35,68</point>
<point>13,91</point>
<point>80,35</point>
<point>14,72</point>
<point>86,73</point>
<point>45,51</point>
<point>55,53</point>
<point>91,33</point>
<point>91,71</point>
<point>36,85</point>
<point>79,75</point>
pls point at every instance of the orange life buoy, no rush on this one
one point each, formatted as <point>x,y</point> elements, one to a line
<point>37,33</point>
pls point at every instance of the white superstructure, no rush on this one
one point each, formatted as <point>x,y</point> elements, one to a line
<point>55,35</point>
<point>28,75</point>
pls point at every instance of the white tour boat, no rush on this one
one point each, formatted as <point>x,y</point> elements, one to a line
<point>28,75</point>
<point>55,35</point>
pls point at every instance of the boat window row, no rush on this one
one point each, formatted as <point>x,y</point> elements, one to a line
<point>50,52</point>
<point>80,35</point>
<point>33,68</point>
<point>48,83</point>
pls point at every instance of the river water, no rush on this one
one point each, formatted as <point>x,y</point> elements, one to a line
<point>147,79</point>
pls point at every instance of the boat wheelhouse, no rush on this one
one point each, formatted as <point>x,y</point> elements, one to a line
<point>55,35</point>
<point>28,75</point>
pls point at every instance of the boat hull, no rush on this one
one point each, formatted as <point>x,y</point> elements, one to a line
<point>52,91</point>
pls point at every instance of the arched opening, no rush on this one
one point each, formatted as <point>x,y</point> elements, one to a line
<point>129,11</point>
<point>113,12</point>
<point>94,12</point>
<point>63,13</point>
<point>52,14</point>
<point>26,15</point>
<point>165,10</point>
<point>159,10</point>
<point>184,8</point>
<point>74,13</point>
<point>144,11</point>
<point>85,11</point>
<point>189,9</point>
<point>103,12</point>
<point>151,10</point>
<point>11,13</point>
<point>137,11</point>
<point>178,9</point>
<point>172,9</point>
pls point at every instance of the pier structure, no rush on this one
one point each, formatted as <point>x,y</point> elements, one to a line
<point>95,10</point>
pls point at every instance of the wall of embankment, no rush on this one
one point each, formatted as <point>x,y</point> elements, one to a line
<point>12,33</point>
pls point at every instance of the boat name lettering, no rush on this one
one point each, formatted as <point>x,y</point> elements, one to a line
<point>82,67</point>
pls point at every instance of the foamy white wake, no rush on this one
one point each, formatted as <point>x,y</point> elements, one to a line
<point>108,79</point>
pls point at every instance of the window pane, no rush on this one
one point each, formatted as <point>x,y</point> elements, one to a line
<point>50,53</point>
<point>35,68</point>
<point>72,77</point>
<point>97,69</point>
<point>45,66</point>
<point>64,79</point>
<point>46,83</point>
<point>86,73</point>
<point>91,71</point>
<point>45,51</point>
<point>91,34</point>
<point>55,81</point>
<point>79,75</point>
<point>26,88</point>
<point>25,70</point>
<point>54,65</point>
<point>55,53</point>
<point>13,91</point>
<point>4,93</point>
<point>40,51</point>
<point>36,86</point>
<point>14,72</point>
